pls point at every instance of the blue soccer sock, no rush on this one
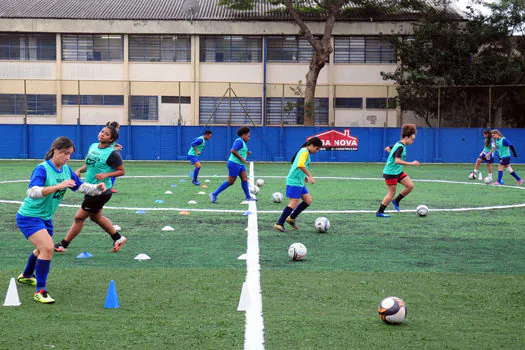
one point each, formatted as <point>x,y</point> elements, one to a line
<point>286,212</point>
<point>244,185</point>
<point>42,270</point>
<point>196,173</point>
<point>30,266</point>
<point>302,206</point>
<point>500,175</point>
<point>113,181</point>
<point>221,188</point>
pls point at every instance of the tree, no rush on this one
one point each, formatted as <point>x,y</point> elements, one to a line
<point>330,11</point>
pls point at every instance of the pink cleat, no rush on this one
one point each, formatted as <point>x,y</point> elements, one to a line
<point>520,182</point>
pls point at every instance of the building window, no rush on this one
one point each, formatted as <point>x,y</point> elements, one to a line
<point>93,100</point>
<point>289,49</point>
<point>92,47</point>
<point>175,99</point>
<point>144,108</point>
<point>23,46</point>
<point>290,111</point>
<point>380,103</point>
<point>237,111</point>
<point>362,49</point>
<point>230,48</point>
<point>14,104</point>
<point>159,48</point>
<point>348,102</point>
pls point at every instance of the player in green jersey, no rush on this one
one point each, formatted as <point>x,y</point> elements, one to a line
<point>295,184</point>
<point>504,147</point>
<point>47,186</point>
<point>116,147</point>
<point>196,147</point>
<point>486,155</point>
<point>393,170</point>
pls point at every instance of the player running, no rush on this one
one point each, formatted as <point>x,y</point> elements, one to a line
<point>196,147</point>
<point>504,146</point>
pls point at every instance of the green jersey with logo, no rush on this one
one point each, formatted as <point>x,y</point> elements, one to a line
<point>486,149</point>
<point>243,152</point>
<point>199,147</point>
<point>45,207</point>
<point>503,150</point>
<point>296,176</point>
<point>391,167</point>
<point>96,163</point>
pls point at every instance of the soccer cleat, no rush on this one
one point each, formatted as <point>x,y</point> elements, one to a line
<point>291,222</point>
<point>279,228</point>
<point>497,183</point>
<point>251,199</point>
<point>520,182</point>
<point>395,204</point>
<point>26,280</point>
<point>213,198</point>
<point>113,190</point>
<point>382,215</point>
<point>43,297</point>
<point>118,244</point>
<point>196,183</point>
<point>60,248</point>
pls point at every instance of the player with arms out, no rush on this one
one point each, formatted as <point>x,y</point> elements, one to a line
<point>504,146</point>
<point>393,170</point>
<point>295,184</point>
<point>102,162</point>
<point>47,186</point>
<point>486,155</point>
<point>196,147</point>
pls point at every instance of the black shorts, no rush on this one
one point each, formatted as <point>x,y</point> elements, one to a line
<point>93,204</point>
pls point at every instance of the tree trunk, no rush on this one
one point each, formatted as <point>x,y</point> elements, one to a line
<point>309,92</point>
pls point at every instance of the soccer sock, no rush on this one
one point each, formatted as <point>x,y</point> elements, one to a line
<point>516,176</point>
<point>399,198</point>
<point>196,173</point>
<point>30,266</point>
<point>381,208</point>
<point>113,181</point>
<point>500,176</point>
<point>475,171</point>
<point>302,206</point>
<point>245,188</point>
<point>116,236</point>
<point>286,212</point>
<point>42,270</point>
<point>490,176</point>
<point>221,188</point>
<point>65,243</point>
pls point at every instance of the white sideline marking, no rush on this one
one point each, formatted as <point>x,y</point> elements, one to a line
<point>254,331</point>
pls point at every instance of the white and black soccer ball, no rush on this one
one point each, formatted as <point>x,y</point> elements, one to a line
<point>254,189</point>
<point>297,251</point>
<point>487,180</point>
<point>472,176</point>
<point>392,310</point>
<point>277,197</point>
<point>422,210</point>
<point>259,182</point>
<point>322,224</point>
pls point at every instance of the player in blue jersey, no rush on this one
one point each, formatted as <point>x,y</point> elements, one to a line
<point>196,147</point>
<point>102,162</point>
<point>486,155</point>
<point>116,147</point>
<point>504,146</point>
<point>295,184</point>
<point>238,154</point>
<point>47,186</point>
<point>393,170</point>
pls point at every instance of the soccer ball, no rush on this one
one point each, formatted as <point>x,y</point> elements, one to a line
<point>254,189</point>
<point>260,182</point>
<point>277,197</point>
<point>472,176</point>
<point>392,310</point>
<point>322,224</point>
<point>487,180</point>
<point>297,251</point>
<point>422,210</point>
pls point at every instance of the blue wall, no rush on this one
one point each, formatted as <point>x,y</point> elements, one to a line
<point>266,143</point>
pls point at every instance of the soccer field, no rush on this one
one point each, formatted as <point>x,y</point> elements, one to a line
<point>460,270</point>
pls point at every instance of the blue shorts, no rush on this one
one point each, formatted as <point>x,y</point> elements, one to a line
<point>504,161</point>
<point>193,159</point>
<point>29,225</point>
<point>235,169</point>
<point>295,191</point>
<point>490,160</point>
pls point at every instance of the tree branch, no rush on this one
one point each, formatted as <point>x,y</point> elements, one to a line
<point>304,30</point>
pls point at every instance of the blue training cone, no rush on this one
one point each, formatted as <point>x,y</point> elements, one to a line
<point>111,297</point>
<point>84,255</point>
<point>191,173</point>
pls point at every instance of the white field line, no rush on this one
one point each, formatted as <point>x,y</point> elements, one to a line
<point>254,331</point>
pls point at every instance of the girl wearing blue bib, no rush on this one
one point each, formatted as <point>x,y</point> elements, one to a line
<point>295,184</point>
<point>47,187</point>
<point>504,147</point>
<point>238,154</point>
